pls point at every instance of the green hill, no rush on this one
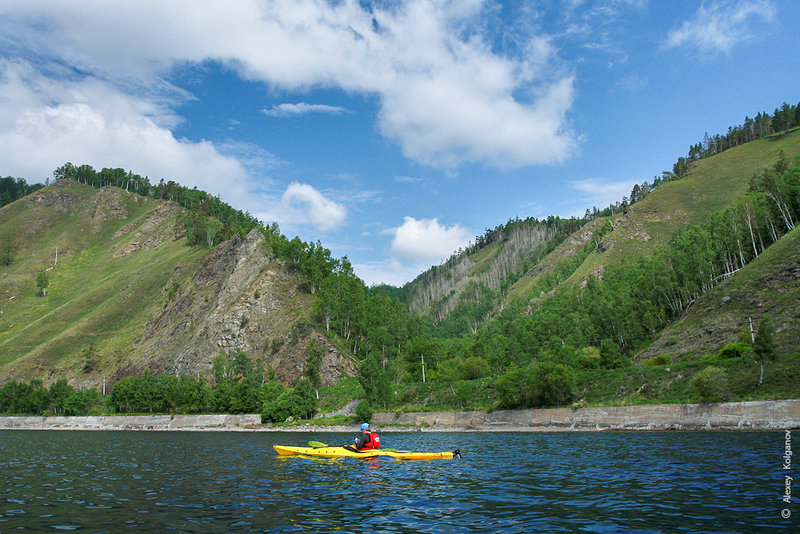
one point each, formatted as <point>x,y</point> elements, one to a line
<point>126,293</point>
<point>461,293</point>
<point>627,305</point>
<point>768,286</point>
<point>712,185</point>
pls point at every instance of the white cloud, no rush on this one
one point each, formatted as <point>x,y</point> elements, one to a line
<point>634,82</point>
<point>445,96</point>
<point>425,240</point>
<point>719,26</point>
<point>44,124</point>
<point>302,204</point>
<point>600,193</point>
<point>301,108</point>
<point>415,246</point>
<point>389,271</point>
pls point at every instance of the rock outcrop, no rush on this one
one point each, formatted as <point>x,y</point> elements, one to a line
<point>240,298</point>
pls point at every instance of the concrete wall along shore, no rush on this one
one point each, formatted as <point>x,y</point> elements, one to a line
<point>753,415</point>
<point>777,414</point>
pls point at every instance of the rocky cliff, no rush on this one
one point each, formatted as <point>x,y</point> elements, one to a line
<point>239,298</point>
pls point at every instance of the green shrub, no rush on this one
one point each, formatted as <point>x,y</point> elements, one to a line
<point>735,350</point>
<point>589,358</point>
<point>297,403</point>
<point>552,385</point>
<point>510,387</point>
<point>474,367</point>
<point>363,411</point>
<point>173,290</point>
<point>710,384</point>
<point>661,359</point>
<point>540,384</point>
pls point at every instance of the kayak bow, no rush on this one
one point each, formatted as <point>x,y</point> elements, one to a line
<point>337,452</point>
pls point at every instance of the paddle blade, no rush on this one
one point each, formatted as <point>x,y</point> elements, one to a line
<point>316,444</point>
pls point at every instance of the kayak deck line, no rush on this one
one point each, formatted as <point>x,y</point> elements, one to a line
<point>336,452</point>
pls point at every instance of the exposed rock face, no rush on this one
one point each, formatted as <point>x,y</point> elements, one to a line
<point>447,285</point>
<point>148,233</point>
<point>239,298</point>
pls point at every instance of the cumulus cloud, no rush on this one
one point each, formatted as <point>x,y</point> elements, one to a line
<point>601,193</point>
<point>302,108</point>
<point>44,124</point>
<point>718,26</point>
<point>445,96</point>
<point>425,240</point>
<point>302,204</point>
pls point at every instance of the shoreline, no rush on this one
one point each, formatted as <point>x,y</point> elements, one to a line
<point>749,415</point>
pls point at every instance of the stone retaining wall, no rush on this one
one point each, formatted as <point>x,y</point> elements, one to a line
<point>135,422</point>
<point>754,415</point>
<point>778,414</point>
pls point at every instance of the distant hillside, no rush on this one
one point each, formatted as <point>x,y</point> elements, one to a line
<point>462,288</point>
<point>769,286</point>
<point>125,292</point>
<point>104,275</point>
<point>712,184</point>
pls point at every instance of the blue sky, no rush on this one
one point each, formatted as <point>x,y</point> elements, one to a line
<point>395,131</point>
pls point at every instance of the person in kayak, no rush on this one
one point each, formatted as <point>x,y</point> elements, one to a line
<point>368,440</point>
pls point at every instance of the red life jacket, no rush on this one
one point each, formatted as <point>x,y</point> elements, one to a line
<point>374,441</point>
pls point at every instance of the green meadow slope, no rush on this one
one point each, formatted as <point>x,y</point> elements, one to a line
<point>126,294</point>
<point>713,184</point>
<point>107,255</point>
<point>768,286</point>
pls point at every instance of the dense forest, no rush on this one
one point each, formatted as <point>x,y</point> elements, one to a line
<point>529,351</point>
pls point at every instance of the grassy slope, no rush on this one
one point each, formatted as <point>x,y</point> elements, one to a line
<point>714,184</point>
<point>769,285</point>
<point>57,331</point>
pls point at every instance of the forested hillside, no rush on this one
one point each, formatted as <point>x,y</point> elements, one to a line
<point>109,279</point>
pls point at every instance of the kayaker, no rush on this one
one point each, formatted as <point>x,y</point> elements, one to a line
<point>368,439</point>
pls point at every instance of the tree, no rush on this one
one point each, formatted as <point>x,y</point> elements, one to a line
<point>710,384</point>
<point>313,363</point>
<point>765,346</point>
<point>474,367</point>
<point>59,392</point>
<point>212,228</point>
<point>295,403</point>
<point>42,282</point>
<point>375,380</point>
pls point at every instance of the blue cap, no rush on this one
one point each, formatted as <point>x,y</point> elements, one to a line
<point>364,426</point>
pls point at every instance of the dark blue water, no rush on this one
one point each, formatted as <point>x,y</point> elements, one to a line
<point>234,482</point>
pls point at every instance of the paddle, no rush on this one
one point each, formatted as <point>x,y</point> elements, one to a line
<point>318,444</point>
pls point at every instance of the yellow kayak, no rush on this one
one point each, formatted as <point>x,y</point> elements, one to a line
<point>336,452</point>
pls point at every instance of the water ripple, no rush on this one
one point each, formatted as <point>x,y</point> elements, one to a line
<point>231,482</point>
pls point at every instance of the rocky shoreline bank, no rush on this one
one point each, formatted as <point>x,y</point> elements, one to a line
<point>752,415</point>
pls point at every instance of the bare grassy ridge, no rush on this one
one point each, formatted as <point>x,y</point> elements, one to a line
<point>113,264</point>
<point>713,184</point>
<point>128,294</point>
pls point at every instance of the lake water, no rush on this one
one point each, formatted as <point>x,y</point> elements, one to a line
<point>553,482</point>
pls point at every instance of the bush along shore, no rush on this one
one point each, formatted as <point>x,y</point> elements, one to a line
<point>751,415</point>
